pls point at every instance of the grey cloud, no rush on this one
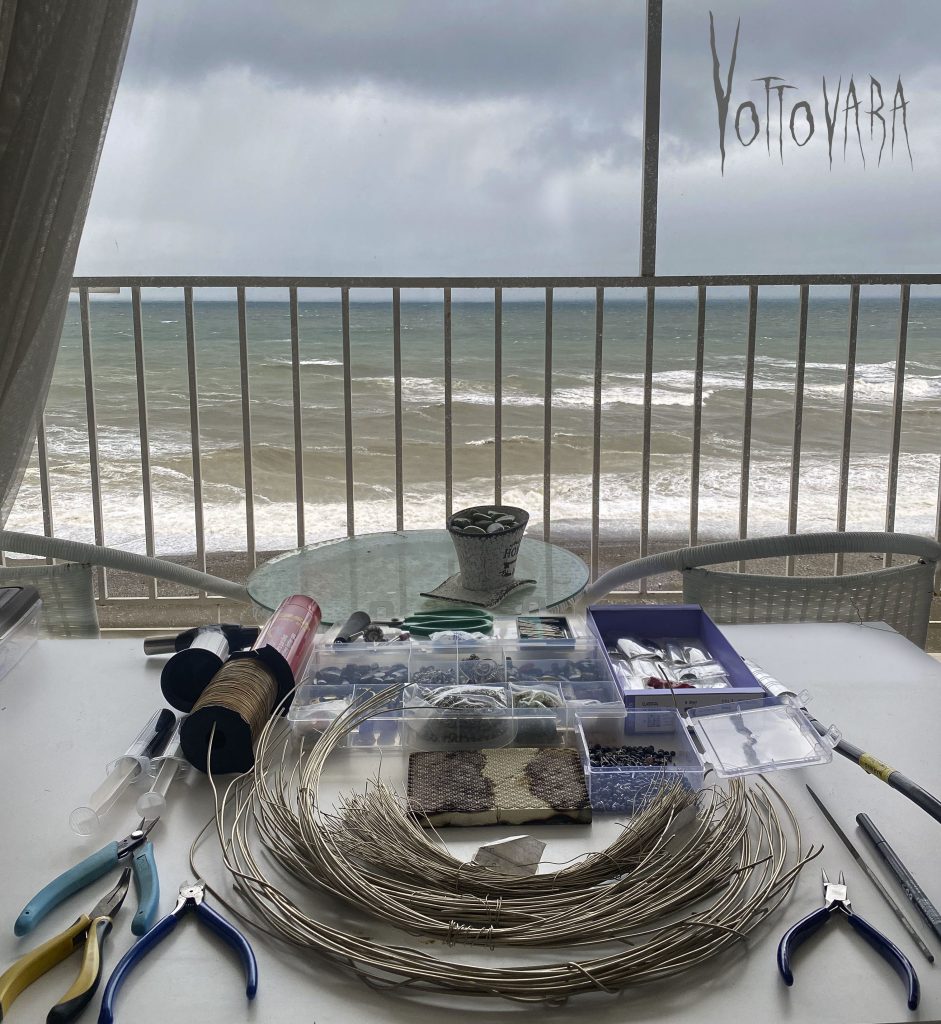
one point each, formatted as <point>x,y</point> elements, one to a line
<point>495,137</point>
<point>582,58</point>
<point>446,49</point>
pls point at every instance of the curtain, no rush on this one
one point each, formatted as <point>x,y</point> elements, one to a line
<point>60,61</point>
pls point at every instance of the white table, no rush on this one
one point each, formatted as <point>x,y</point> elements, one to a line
<point>70,704</point>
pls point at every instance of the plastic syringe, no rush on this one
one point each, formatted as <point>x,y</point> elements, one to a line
<point>171,763</point>
<point>86,820</point>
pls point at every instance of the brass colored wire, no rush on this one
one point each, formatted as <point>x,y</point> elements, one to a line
<point>668,895</point>
<point>245,686</point>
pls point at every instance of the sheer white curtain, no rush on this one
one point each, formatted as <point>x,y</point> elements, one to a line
<point>60,61</point>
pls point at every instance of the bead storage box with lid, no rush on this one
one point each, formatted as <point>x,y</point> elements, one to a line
<point>490,693</point>
<point>629,757</point>
<point>670,656</point>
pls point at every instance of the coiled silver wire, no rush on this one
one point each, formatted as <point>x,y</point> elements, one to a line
<point>666,898</point>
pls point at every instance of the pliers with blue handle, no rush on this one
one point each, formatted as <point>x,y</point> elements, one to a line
<point>135,847</point>
<point>835,899</point>
<point>191,898</point>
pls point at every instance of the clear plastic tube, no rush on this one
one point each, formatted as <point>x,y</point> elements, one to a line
<point>86,820</point>
<point>154,802</point>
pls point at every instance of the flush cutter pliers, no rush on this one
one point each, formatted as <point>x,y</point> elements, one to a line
<point>135,847</point>
<point>835,899</point>
<point>191,898</point>
<point>90,929</point>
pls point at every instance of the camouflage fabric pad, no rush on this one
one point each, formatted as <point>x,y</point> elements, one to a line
<point>511,785</point>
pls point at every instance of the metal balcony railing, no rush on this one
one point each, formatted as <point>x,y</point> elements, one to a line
<point>549,292</point>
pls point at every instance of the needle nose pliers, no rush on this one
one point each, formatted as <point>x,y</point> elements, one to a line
<point>191,898</point>
<point>90,929</point>
<point>835,899</point>
<point>134,847</point>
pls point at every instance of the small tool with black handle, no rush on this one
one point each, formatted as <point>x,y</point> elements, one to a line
<point>352,628</point>
<point>869,763</point>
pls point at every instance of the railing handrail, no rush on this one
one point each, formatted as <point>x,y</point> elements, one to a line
<point>491,281</point>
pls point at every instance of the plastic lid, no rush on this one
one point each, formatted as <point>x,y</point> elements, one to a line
<point>758,736</point>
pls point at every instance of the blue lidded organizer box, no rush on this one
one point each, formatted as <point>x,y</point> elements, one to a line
<point>611,622</point>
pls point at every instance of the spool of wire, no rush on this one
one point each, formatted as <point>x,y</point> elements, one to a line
<point>187,674</point>
<point>241,696</point>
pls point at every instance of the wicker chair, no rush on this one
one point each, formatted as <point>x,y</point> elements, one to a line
<point>67,590</point>
<point>899,595</point>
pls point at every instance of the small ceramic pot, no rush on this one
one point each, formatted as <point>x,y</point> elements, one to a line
<point>487,560</point>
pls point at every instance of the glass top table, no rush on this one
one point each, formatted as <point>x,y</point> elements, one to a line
<point>383,574</point>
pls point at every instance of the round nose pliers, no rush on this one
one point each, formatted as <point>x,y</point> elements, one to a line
<point>835,900</point>
<point>191,898</point>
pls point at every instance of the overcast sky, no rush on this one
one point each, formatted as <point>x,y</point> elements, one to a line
<point>462,137</point>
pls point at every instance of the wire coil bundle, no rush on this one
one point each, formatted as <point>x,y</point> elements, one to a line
<point>669,894</point>
<point>230,697</point>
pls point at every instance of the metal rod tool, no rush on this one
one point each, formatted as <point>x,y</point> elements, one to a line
<point>904,877</point>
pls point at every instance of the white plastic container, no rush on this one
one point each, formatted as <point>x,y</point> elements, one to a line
<point>20,611</point>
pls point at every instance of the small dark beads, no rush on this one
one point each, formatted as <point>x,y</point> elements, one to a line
<point>372,675</point>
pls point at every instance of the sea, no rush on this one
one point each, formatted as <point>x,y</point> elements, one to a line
<point>524,398</point>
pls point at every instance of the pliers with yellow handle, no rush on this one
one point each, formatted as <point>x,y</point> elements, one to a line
<point>89,930</point>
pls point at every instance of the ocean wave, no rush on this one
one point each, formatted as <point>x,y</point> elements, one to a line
<point>584,398</point>
<point>873,382</point>
<point>887,366</point>
<point>685,379</point>
<point>429,391</point>
<point>224,509</point>
<point>525,441</point>
<point>287,361</point>
<point>65,442</point>
<point>879,391</point>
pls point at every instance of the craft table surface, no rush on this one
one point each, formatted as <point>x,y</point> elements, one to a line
<point>69,705</point>
<point>384,574</point>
